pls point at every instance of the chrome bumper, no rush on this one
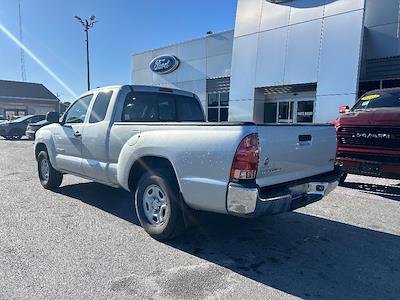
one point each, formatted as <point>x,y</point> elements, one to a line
<point>252,202</point>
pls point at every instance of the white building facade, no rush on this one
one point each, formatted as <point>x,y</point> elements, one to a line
<point>287,62</point>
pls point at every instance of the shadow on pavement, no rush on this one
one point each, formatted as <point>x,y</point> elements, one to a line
<point>389,192</point>
<point>117,202</point>
<point>302,255</point>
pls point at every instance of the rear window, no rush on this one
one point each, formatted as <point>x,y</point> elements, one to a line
<point>160,107</point>
<point>380,99</point>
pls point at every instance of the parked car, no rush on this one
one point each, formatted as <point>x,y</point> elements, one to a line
<point>369,135</point>
<point>33,127</point>
<point>155,143</point>
<point>16,129</point>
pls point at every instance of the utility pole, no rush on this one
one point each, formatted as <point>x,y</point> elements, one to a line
<point>23,71</point>
<point>87,24</point>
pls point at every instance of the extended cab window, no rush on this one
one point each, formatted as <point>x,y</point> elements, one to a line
<point>160,107</point>
<point>78,110</point>
<point>100,107</point>
<point>378,99</point>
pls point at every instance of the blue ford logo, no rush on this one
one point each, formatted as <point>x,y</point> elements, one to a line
<point>164,64</point>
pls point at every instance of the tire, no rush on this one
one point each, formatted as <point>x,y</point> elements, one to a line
<point>342,179</point>
<point>48,176</point>
<point>158,206</point>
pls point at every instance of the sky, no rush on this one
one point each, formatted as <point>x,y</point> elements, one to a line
<point>53,35</point>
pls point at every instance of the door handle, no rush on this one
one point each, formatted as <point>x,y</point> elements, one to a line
<point>77,134</point>
<point>305,138</point>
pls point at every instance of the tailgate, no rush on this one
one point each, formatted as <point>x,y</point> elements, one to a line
<point>294,152</point>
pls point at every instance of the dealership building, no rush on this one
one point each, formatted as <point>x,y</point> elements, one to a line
<point>285,61</point>
<point>25,98</point>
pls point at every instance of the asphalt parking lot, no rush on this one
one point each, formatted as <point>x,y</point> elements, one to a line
<point>83,241</point>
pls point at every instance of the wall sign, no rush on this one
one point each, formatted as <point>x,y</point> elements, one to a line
<point>164,64</point>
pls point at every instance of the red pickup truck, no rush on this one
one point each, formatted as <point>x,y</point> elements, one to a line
<point>368,135</point>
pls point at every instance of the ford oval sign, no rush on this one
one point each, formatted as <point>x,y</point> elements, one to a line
<point>164,64</point>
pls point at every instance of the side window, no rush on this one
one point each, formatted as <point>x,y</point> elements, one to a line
<point>38,118</point>
<point>78,110</point>
<point>34,119</point>
<point>100,107</point>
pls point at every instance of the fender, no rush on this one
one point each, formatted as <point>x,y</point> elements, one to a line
<point>45,137</point>
<point>129,156</point>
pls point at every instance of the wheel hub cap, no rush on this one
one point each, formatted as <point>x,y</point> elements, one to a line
<point>44,169</point>
<point>155,204</point>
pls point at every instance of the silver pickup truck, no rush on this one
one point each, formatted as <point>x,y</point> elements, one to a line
<point>155,143</point>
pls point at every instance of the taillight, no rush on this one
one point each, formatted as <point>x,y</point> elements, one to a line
<point>245,162</point>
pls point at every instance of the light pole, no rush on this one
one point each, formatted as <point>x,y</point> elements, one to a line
<point>87,24</point>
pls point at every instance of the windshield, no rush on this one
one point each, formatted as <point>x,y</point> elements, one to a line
<point>378,99</point>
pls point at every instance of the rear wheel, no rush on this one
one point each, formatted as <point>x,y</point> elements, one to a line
<point>342,178</point>
<point>48,176</point>
<point>159,207</point>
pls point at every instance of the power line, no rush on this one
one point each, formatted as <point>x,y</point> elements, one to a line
<point>23,71</point>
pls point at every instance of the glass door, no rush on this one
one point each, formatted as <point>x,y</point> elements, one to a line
<point>285,113</point>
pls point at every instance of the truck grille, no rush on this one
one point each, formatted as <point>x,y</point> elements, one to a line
<point>387,138</point>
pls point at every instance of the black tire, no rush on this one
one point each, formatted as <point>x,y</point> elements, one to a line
<point>52,179</point>
<point>342,179</point>
<point>172,223</point>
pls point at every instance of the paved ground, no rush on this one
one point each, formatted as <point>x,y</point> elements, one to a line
<point>84,242</point>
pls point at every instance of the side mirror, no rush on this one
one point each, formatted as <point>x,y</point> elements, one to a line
<point>53,117</point>
<point>343,109</point>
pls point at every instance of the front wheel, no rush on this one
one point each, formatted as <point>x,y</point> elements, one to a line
<point>158,207</point>
<point>48,176</point>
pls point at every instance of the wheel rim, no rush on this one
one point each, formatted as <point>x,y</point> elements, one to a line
<point>44,169</point>
<point>155,204</point>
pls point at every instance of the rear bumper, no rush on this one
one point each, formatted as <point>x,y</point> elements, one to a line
<point>253,201</point>
<point>383,169</point>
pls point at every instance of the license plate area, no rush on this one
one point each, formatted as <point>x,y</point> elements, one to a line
<point>370,169</point>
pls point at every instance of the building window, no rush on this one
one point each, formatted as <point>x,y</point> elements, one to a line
<point>305,111</point>
<point>367,86</point>
<point>218,104</point>
<point>270,112</point>
<point>391,83</point>
<point>12,114</point>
